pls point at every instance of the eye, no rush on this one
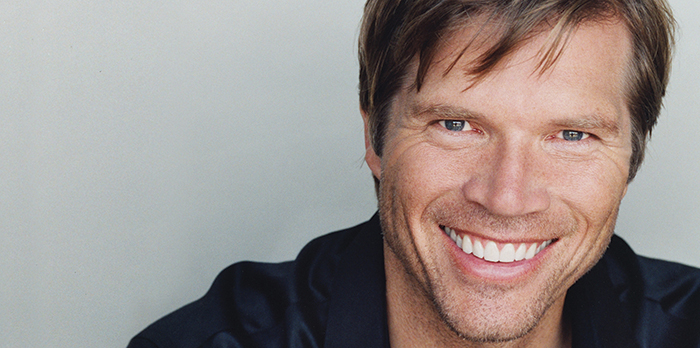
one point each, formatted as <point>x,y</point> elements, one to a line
<point>455,125</point>
<point>572,135</point>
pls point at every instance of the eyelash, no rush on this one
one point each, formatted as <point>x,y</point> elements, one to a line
<point>447,124</point>
<point>562,135</point>
<point>466,126</point>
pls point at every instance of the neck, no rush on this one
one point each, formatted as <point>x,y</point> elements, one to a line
<point>414,321</point>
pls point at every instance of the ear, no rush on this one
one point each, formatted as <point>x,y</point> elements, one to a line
<point>373,161</point>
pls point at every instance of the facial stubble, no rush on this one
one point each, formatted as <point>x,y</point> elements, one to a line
<point>480,327</point>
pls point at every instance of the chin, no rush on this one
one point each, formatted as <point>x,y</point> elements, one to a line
<point>492,321</point>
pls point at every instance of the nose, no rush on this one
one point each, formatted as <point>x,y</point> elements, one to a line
<point>509,181</point>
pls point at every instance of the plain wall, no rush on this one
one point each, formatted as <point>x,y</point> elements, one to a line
<point>144,146</point>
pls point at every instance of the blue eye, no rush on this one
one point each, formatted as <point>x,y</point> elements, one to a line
<point>455,125</point>
<point>572,135</point>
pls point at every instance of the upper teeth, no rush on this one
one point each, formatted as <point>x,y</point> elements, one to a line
<point>488,250</point>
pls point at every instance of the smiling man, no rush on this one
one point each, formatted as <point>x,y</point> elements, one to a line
<point>502,136</point>
<point>497,194</point>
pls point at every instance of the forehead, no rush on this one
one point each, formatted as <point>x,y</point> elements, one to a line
<point>604,41</point>
<point>588,71</point>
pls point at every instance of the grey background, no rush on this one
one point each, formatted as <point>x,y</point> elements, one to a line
<point>144,146</point>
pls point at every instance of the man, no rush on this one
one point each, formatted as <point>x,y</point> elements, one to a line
<point>502,136</point>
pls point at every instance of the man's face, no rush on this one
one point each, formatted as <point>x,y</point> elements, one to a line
<point>516,161</point>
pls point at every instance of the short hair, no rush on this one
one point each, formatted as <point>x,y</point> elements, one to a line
<point>394,32</point>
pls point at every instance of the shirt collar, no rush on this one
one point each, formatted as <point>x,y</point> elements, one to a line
<point>357,310</point>
<point>599,317</point>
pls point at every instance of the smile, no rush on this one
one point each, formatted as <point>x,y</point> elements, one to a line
<point>489,250</point>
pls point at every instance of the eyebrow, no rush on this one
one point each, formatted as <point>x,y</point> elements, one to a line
<point>591,121</point>
<point>445,111</point>
<point>585,122</point>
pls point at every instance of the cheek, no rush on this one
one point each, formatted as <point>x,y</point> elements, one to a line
<point>593,195</point>
<point>592,184</point>
<point>412,179</point>
<point>421,173</point>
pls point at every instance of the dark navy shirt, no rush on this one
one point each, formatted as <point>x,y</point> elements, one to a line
<point>333,295</point>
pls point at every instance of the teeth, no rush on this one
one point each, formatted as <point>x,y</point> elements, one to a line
<point>507,253</point>
<point>520,253</point>
<point>478,250</point>
<point>531,251</point>
<point>467,245</point>
<point>490,252</point>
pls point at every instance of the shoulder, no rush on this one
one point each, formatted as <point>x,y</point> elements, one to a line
<point>252,304</point>
<point>673,287</point>
<point>666,295</point>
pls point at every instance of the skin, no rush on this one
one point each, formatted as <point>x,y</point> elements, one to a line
<point>509,176</point>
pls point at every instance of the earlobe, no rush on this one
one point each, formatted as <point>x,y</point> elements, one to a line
<point>373,161</point>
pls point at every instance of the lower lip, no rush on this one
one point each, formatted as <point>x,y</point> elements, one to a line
<point>501,272</point>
